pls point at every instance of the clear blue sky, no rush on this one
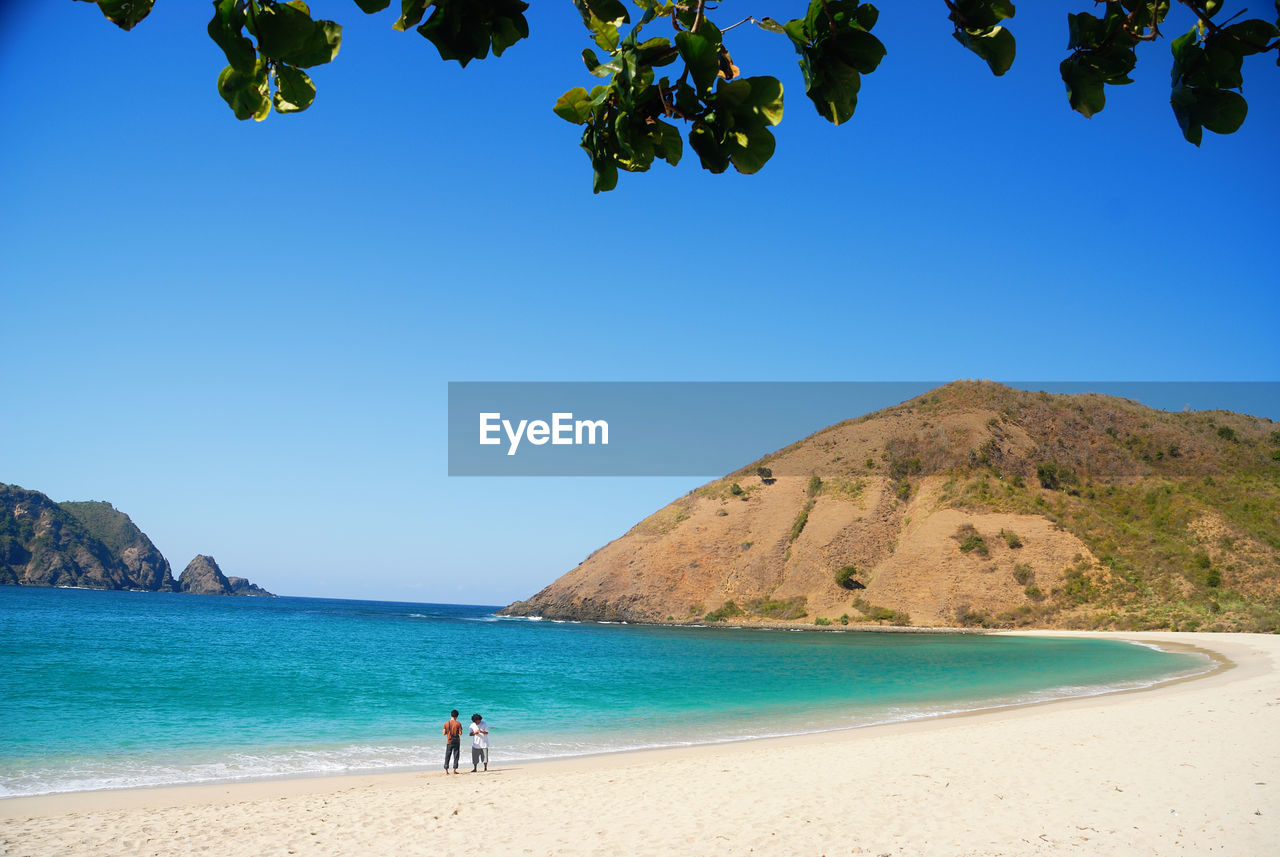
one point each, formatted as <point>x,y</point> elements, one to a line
<point>241,334</point>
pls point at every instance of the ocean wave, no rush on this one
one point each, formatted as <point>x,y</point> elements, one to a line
<point>98,775</point>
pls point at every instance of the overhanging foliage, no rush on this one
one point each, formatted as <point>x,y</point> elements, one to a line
<point>627,119</point>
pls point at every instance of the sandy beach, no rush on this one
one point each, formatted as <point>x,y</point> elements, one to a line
<point>1190,768</point>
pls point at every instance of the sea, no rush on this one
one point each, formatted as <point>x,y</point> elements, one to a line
<point>105,690</point>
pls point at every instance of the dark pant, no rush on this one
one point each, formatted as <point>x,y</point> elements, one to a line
<point>452,749</point>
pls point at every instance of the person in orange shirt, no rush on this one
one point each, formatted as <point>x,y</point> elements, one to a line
<point>452,741</point>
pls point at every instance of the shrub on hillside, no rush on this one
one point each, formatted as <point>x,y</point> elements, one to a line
<point>1023,573</point>
<point>1055,476</point>
<point>881,614</point>
<point>845,578</point>
<point>780,608</point>
<point>797,526</point>
<point>967,617</point>
<point>728,610</point>
<point>971,541</point>
<point>1011,539</point>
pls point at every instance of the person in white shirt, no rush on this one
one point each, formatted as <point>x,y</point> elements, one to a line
<point>479,742</point>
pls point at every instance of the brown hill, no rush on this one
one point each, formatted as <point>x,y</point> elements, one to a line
<point>974,504</point>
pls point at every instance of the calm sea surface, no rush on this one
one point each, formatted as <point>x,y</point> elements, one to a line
<point>115,689</point>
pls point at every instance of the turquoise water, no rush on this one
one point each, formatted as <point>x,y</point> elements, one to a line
<point>116,689</point>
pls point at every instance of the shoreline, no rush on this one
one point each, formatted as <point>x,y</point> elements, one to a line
<point>1147,733</point>
<point>1215,663</point>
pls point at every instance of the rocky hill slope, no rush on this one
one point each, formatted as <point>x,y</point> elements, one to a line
<point>88,544</point>
<point>148,569</point>
<point>42,544</point>
<point>972,505</point>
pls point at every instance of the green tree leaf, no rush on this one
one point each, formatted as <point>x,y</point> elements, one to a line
<point>736,130</point>
<point>371,6</point>
<point>833,88</point>
<point>1103,50</point>
<point>287,33</point>
<point>867,16</point>
<point>1085,92</point>
<point>706,144</point>
<point>1221,110</point>
<point>464,30</point>
<point>656,52</point>
<point>125,14</point>
<point>246,93</point>
<point>978,28</point>
<point>835,49</point>
<point>668,144</point>
<point>1205,74</point>
<point>282,29</point>
<point>1183,100</point>
<point>320,48</point>
<point>1252,36</point>
<point>598,68</point>
<point>980,14</point>
<point>603,18</point>
<point>702,56</point>
<point>227,31</point>
<point>750,151</point>
<point>574,106</point>
<point>411,12</point>
<point>759,98</point>
<point>996,45</point>
<point>294,90</point>
<point>859,50</point>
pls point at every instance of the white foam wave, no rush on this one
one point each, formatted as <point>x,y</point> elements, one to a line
<point>95,775</point>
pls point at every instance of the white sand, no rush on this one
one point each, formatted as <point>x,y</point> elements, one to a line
<point>1188,768</point>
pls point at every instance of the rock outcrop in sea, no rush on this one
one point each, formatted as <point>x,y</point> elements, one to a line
<point>241,586</point>
<point>202,576</point>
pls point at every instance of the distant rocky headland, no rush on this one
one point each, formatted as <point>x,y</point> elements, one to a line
<point>973,505</point>
<point>93,545</point>
<point>203,577</point>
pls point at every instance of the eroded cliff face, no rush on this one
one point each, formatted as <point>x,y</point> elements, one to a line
<point>972,505</point>
<point>41,544</point>
<point>147,567</point>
